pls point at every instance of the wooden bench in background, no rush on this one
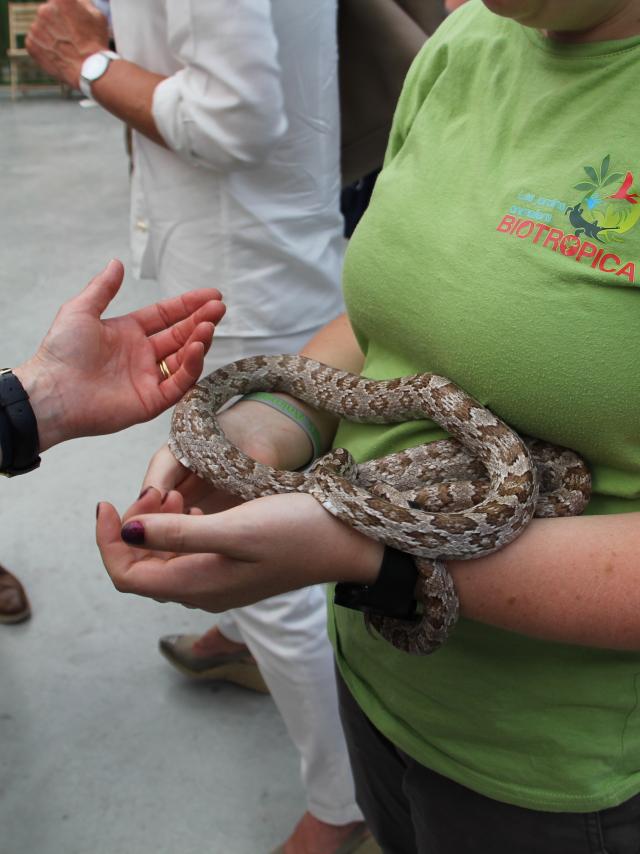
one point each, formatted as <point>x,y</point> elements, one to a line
<point>21,16</point>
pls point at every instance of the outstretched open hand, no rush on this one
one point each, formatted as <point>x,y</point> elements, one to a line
<point>92,376</point>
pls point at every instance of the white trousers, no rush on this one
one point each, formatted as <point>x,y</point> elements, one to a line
<point>287,636</point>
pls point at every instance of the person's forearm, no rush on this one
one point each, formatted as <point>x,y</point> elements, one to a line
<point>572,580</point>
<point>45,401</point>
<point>224,108</point>
<point>334,345</point>
<point>126,90</point>
<point>63,36</point>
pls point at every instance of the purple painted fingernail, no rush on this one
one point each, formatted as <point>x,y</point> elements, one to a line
<point>133,533</point>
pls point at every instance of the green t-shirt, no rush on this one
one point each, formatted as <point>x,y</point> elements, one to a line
<point>502,249</point>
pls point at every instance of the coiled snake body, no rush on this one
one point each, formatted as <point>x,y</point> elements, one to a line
<point>462,497</point>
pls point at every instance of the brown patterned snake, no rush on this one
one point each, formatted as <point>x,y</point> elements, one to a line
<point>463,497</point>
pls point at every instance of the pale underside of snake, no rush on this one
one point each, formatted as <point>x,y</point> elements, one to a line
<point>463,497</point>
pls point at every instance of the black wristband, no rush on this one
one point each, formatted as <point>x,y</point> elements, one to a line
<point>392,594</point>
<point>19,433</point>
<point>6,442</point>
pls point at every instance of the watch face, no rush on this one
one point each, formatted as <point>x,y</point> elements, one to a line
<point>94,66</point>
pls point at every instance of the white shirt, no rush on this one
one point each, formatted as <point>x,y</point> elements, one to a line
<point>247,197</point>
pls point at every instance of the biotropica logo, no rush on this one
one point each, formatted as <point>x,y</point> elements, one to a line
<point>597,221</point>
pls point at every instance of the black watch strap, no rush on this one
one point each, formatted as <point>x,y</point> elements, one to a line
<point>18,427</point>
<point>392,594</point>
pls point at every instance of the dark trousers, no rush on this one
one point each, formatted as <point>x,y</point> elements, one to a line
<point>412,810</point>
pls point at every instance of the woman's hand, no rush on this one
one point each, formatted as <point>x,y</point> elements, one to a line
<point>232,558</point>
<point>165,474</point>
<point>92,376</point>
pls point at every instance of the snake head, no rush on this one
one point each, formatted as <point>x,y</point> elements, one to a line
<point>339,462</point>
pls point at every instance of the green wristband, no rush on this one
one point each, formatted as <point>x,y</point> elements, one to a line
<point>292,412</point>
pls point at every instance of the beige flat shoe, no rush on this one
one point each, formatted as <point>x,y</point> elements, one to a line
<point>237,667</point>
<point>359,841</point>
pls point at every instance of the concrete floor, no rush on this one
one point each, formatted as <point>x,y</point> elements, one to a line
<point>103,747</point>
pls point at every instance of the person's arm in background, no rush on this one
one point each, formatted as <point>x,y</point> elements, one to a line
<point>223,110</point>
<point>91,376</point>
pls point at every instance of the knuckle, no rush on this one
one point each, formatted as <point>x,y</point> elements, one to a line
<point>175,535</point>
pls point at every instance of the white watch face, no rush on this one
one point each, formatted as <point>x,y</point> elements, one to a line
<point>94,66</point>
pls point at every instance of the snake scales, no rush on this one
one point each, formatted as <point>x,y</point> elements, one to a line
<point>462,497</point>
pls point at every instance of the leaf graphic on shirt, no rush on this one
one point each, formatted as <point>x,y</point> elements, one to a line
<point>615,176</point>
<point>591,172</point>
<point>599,178</point>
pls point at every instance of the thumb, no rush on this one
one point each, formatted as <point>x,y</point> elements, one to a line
<point>108,526</point>
<point>177,532</point>
<point>102,288</point>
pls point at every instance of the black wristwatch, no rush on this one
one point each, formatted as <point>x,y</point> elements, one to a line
<point>18,427</point>
<point>392,594</point>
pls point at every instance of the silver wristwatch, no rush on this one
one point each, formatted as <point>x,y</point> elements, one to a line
<point>94,67</point>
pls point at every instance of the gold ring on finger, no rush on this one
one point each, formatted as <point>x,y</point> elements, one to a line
<point>164,370</point>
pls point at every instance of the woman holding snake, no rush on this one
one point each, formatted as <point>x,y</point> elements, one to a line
<point>500,250</point>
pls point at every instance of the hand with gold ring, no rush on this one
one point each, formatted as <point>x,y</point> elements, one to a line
<point>92,376</point>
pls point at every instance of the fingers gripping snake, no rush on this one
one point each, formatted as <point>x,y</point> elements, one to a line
<point>462,497</point>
